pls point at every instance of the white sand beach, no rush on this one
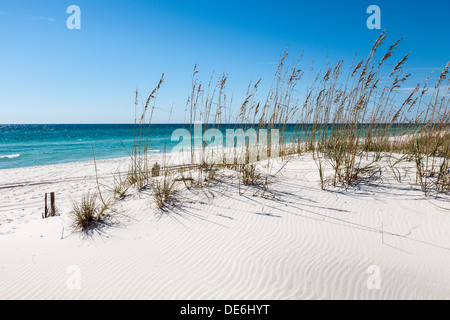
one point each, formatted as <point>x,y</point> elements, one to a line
<point>380,241</point>
<point>223,155</point>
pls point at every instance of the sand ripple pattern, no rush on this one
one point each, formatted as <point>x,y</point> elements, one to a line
<point>297,243</point>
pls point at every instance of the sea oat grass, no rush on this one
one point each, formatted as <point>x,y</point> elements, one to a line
<point>89,212</point>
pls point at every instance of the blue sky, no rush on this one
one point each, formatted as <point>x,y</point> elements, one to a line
<point>50,74</point>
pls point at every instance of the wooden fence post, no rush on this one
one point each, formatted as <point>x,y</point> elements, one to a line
<point>49,212</point>
<point>52,205</point>
<point>46,208</point>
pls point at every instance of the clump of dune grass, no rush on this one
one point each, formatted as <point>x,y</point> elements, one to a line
<point>138,177</point>
<point>164,191</point>
<point>89,212</point>
<point>120,187</point>
<point>139,172</point>
<point>352,120</point>
<point>432,164</point>
<point>443,176</point>
<point>250,175</point>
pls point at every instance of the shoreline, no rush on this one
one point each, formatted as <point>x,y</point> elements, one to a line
<point>23,157</point>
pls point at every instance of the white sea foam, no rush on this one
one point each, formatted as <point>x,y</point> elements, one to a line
<point>11,156</point>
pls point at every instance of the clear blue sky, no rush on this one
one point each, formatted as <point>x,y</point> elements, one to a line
<point>50,74</point>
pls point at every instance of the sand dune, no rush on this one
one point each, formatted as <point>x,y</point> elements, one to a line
<point>296,242</point>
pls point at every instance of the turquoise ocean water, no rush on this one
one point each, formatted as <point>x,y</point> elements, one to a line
<point>36,145</point>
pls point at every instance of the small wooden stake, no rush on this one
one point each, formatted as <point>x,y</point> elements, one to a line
<point>52,205</point>
<point>49,212</point>
<point>46,208</point>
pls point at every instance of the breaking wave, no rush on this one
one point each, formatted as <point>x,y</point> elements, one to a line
<point>11,156</point>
